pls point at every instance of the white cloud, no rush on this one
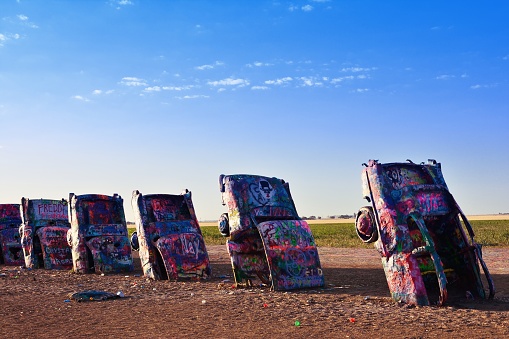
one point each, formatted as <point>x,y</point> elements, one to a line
<point>152,89</point>
<point>187,97</point>
<point>120,3</point>
<point>445,77</point>
<point>80,98</point>
<point>362,90</point>
<point>214,65</point>
<point>230,82</point>
<point>258,64</point>
<point>280,81</point>
<point>310,82</point>
<point>176,88</point>
<point>133,81</point>
<point>478,86</point>
<point>24,21</point>
<point>305,8</point>
<point>358,69</point>
<point>260,88</point>
<point>506,57</point>
<point>101,92</point>
<point>341,79</point>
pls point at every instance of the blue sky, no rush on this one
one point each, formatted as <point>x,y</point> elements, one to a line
<point>112,96</point>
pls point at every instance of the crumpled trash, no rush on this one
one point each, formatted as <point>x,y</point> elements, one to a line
<point>92,295</point>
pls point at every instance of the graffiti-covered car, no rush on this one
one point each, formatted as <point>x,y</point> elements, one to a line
<point>169,237</point>
<point>44,234</point>
<point>267,240</point>
<point>426,242</point>
<point>11,252</point>
<point>98,235</point>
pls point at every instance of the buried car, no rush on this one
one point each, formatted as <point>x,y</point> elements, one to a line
<point>11,252</point>
<point>98,234</point>
<point>425,241</point>
<point>266,237</point>
<point>44,234</point>
<point>169,237</point>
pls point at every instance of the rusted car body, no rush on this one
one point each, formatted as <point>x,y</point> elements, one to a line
<point>267,240</point>
<point>11,253</point>
<point>98,234</point>
<point>44,234</point>
<point>169,237</point>
<point>426,242</point>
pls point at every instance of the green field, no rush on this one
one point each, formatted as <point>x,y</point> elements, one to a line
<point>487,233</point>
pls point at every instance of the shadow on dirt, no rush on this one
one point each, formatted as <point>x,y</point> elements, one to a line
<point>371,283</point>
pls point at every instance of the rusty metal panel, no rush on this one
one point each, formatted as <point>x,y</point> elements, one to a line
<point>98,236</point>
<point>267,239</point>
<point>426,243</point>
<point>169,236</point>
<point>11,252</point>
<point>44,234</point>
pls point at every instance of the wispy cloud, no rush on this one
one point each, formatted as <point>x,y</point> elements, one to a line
<point>259,88</point>
<point>133,81</point>
<point>101,92</point>
<point>279,82</point>
<point>188,97</point>
<point>119,3</point>
<point>358,69</point>
<point>230,82</point>
<point>305,8</point>
<point>6,37</point>
<point>341,79</point>
<point>23,19</point>
<point>445,77</point>
<point>480,86</point>
<point>310,82</point>
<point>177,88</point>
<point>212,66</point>
<point>152,89</point>
<point>80,98</point>
<point>258,64</point>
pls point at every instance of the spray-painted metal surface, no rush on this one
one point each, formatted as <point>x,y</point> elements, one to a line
<point>425,241</point>
<point>169,237</point>
<point>44,234</point>
<point>98,234</point>
<point>267,239</point>
<point>11,252</point>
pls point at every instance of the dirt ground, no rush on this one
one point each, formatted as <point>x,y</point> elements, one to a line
<point>354,304</point>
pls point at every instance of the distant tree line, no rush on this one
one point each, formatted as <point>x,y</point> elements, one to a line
<point>341,216</point>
